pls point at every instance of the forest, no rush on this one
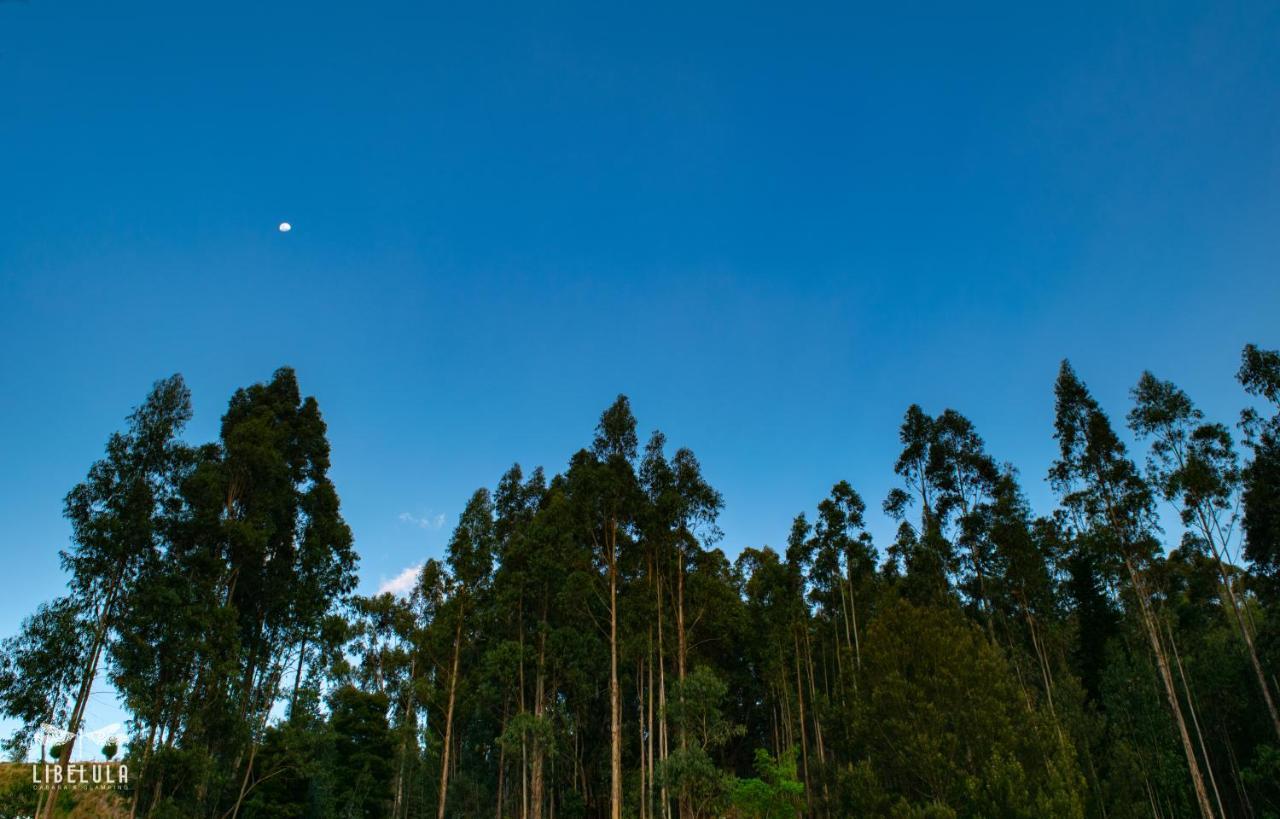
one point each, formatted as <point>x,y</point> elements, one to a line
<point>588,646</point>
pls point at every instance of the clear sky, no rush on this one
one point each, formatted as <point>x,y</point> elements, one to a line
<point>774,227</point>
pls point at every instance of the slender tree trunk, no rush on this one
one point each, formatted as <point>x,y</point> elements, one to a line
<point>297,678</point>
<point>146,754</point>
<point>682,647</point>
<point>640,731</point>
<point>273,687</point>
<point>804,734</point>
<point>1195,720</point>
<point>817,722</point>
<point>399,804</point>
<point>1245,633</point>
<point>681,654</point>
<point>615,693</point>
<point>86,688</point>
<point>1043,660</point>
<point>1206,519</point>
<point>1153,635</point>
<point>1171,693</point>
<point>539,698</point>
<point>853,616</point>
<point>502,762</point>
<point>663,748</point>
<point>648,788</point>
<point>448,719</point>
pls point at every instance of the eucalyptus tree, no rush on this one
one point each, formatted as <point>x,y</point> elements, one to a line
<point>386,637</point>
<point>555,554</point>
<point>846,559</point>
<point>287,559</point>
<point>927,556</point>
<point>470,561</point>
<point>676,520</point>
<point>771,587</point>
<point>833,564</point>
<point>117,520</point>
<point>603,485</point>
<point>966,478</point>
<point>1193,464</point>
<point>1102,487</point>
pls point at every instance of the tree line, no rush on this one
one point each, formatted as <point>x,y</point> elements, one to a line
<point>585,648</point>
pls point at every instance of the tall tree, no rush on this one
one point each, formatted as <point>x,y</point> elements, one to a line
<point>116,519</point>
<point>606,489</point>
<point>1194,464</point>
<point>1101,485</point>
<point>470,559</point>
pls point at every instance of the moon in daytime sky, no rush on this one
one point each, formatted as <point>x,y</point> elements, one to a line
<point>285,227</point>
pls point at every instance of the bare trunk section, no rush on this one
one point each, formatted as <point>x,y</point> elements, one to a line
<point>681,654</point>
<point>1195,720</point>
<point>539,697</point>
<point>663,748</point>
<point>1171,693</point>
<point>502,762</point>
<point>817,723</point>
<point>804,732</point>
<point>448,720</point>
<point>615,694</point>
<point>86,687</point>
<point>1245,633</point>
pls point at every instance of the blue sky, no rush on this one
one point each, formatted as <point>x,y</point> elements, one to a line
<point>773,227</point>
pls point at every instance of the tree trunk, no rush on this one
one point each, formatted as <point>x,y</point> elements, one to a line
<point>86,688</point>
<point>502,761</point>
<point>297,679</point>
<point>1195,720</point>
<point>615,694</point>
<point>1244,629</point>
<point>640,731</point>
<point>404,742</point>
<point>1153,635</point>
<point>1171,693</point>
<point>681,653</point>
<point>663,748</point>
<point>804,731</point>
<point>648,788</point>
<point>448,719</point>
<point>817,723</point>
<point>539,696</point>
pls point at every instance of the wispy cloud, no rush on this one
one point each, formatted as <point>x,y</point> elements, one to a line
<point>401,584</point>
<point>427,521</point>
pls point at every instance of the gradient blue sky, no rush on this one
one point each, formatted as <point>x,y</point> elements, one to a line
<point>773,227</point>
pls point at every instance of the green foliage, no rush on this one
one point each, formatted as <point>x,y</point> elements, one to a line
<point>361,769</point>
<point>943,721</point>
<point>690,771</point>
<point>775,791</point>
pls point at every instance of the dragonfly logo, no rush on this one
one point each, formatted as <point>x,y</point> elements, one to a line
<point>106,737</point>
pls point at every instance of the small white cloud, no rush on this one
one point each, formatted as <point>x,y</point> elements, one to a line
<point>424,522</point>
<point>403,583</point>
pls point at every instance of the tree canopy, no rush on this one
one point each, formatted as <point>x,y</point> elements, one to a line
<point>586,644</point>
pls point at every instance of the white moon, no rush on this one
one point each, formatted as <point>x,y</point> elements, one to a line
<point>285,227</point>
